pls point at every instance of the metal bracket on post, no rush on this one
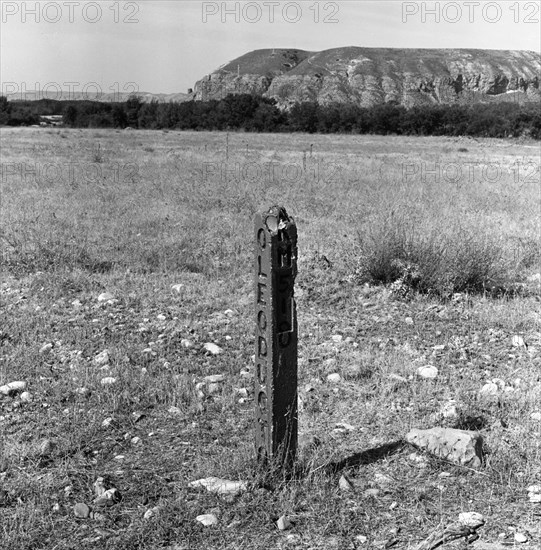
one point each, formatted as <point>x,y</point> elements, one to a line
<point>275,338</point>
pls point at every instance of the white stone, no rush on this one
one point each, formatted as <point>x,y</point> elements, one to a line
<point>107,422</point>
<point>428,372</point>
<point>185,343</point>
<point>151,512</point>
<point>334,378</point>
<point>46,348</point>
<point>408,321</point>
<point>207,519</point>
<point>136,441</point>
<point>517,341</point>
<point>174,410</point>
<point>108,381</point>
<point>105,297</point>
<point>490,389</point>
<point>345,426</point>
<point>220,486</point>
<point>521,538</point>
<point>473,520</point>
<point>449,410</point>
<point>283,523</point>
<point>13,387</point>
<point>337,338</point>
<point>102,358</point>
<point>345,484</point>
<point>213,349</point>
<point>458,446</point>
<point>214,379</point>
<point>361,539</point>
<point>26,397</point>
<point>177,288</point>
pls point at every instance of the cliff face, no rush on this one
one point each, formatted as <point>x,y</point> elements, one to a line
<point>370,76</point>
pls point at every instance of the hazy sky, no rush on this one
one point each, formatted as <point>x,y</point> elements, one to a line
<point>165,46</point>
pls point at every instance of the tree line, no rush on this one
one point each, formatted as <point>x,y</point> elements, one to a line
<point>258,114</point>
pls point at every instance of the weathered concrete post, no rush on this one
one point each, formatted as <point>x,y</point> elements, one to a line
<point>275,338</point>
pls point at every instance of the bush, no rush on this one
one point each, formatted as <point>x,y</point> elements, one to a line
<point>412,256</point>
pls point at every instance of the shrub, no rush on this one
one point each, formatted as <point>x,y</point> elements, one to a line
<point>441,260</point>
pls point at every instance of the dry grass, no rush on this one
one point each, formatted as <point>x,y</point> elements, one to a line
<point>149,214</point>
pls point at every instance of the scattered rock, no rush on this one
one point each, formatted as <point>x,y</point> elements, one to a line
<point>108,381</point>
<point>343,427</point>
<point>337,338</point>
<point>185,343</point>
<point>84,392</point>
<point>283,523</point>
<point>26,397</point>
<point>213,349</point>
<point>371,493</point>
<point>458,446</point>
<point>361,539</point>
<point>473,520</point>
<point>534,494</point>
<point>334,378</point>
<point>177,288</point>
<point>105,297</point>
<point>46,447</point>
<point>99,486</point>
<point>428,372</point>
<point>408,321</point>
<point>81,510</point>
<point>108,498</point>
<point>220,486</point>
<point>345,484</point>
<point>151,512</point>
<point>517,341</point>
<point>102,358</point>
<point>135,441</point>
<point>12,388</point>
<point>520,538</point>
<point>207,519</point>
<point>214,379</point>
<point>46,348</point>
<point>107,422</point>
<point>174,410</point>
<point>490,389</point>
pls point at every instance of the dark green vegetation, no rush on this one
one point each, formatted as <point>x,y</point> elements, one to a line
<point>256,114</point>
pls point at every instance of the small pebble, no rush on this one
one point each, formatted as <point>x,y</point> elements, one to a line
<point>81,510</point>
<point>26,397</point>
<point>284,524</point>
<point>334,378</point>
<point>207,519</point>
<point>428,372</point>
<point>213,349</point>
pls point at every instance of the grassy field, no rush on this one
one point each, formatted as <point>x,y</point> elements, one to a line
<point>416,251</point>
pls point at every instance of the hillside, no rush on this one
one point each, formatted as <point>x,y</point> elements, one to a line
<point>370,76</point>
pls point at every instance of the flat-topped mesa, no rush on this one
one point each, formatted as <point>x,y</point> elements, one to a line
<point>372,76</point>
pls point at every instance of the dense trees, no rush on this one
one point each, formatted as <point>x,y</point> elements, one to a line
<point>257,114</point>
